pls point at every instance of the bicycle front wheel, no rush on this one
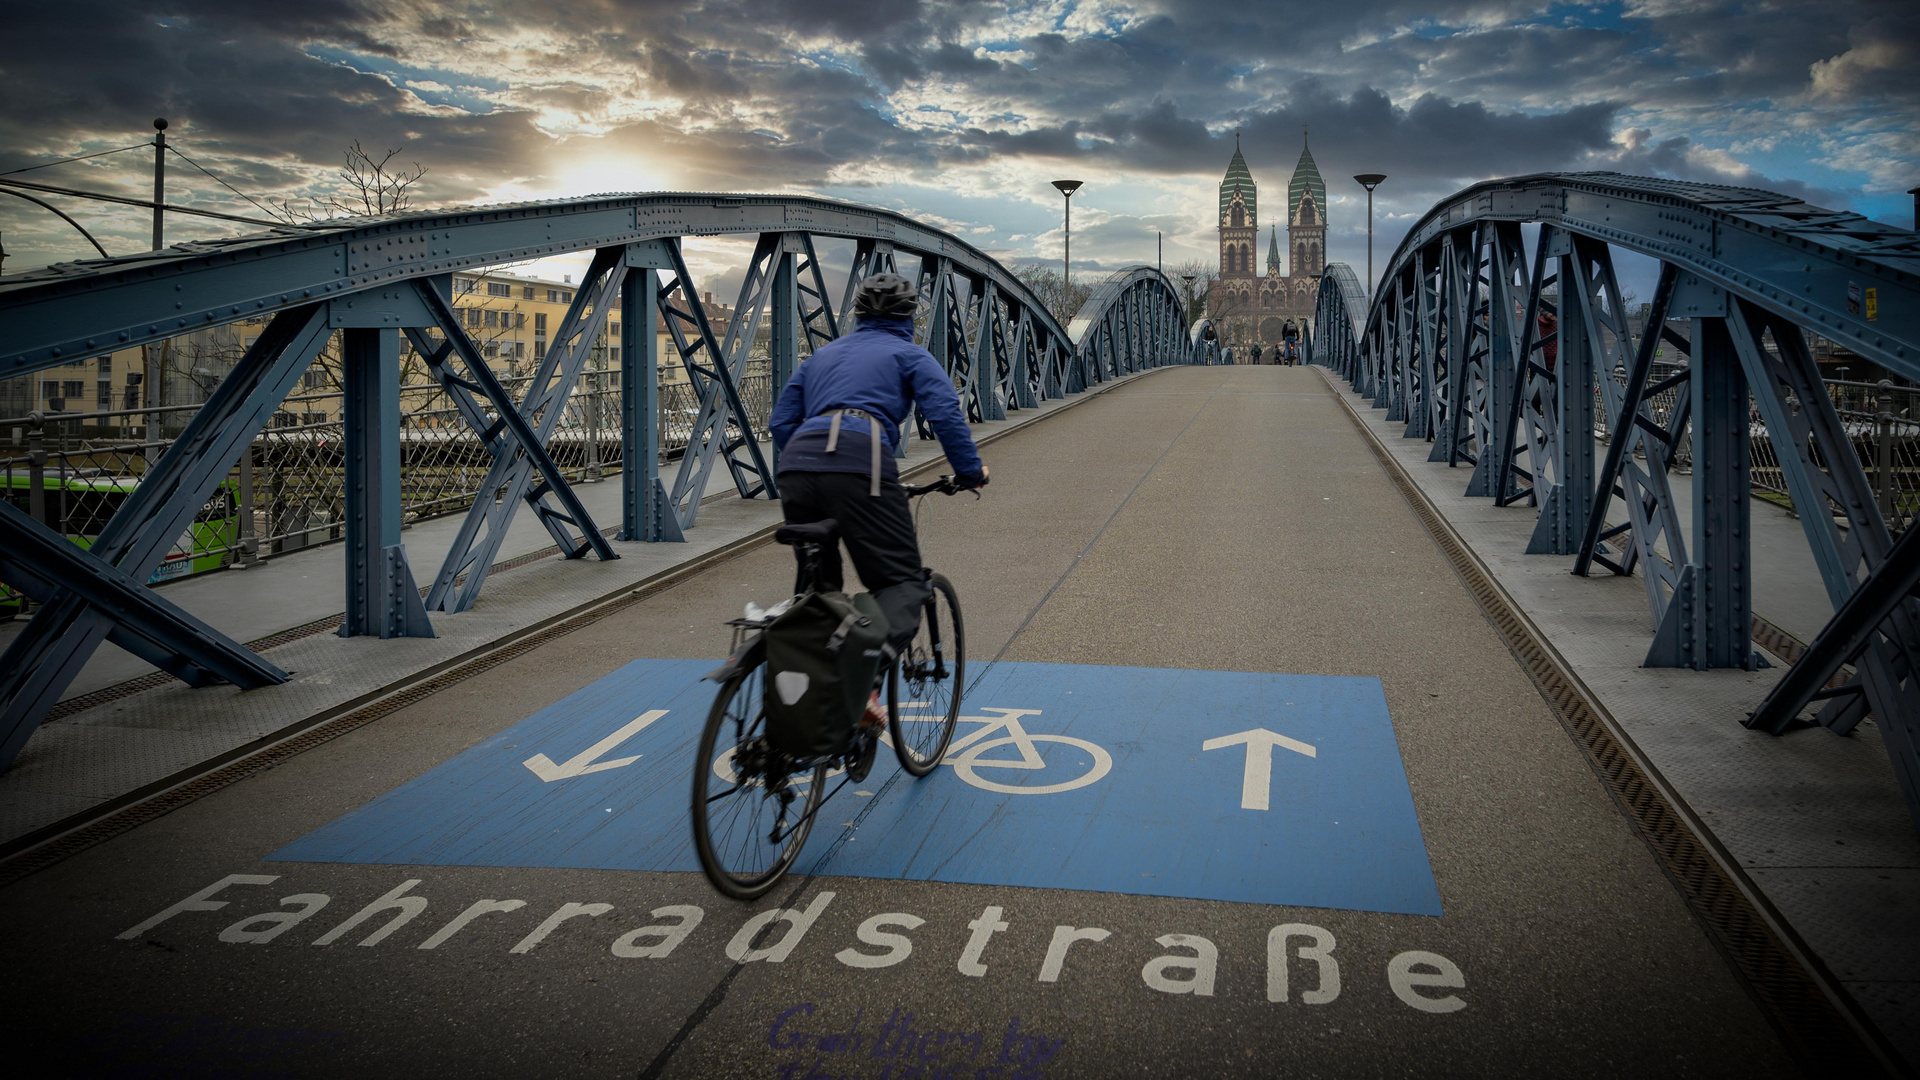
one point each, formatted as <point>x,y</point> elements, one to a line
<point>752,810</point>
<point>923,687</point>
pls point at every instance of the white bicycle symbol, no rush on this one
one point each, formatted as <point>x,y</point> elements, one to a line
<point>964,754</point>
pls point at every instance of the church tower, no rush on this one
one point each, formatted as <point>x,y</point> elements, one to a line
<point>1239,220</point>
<point>1307,217</point>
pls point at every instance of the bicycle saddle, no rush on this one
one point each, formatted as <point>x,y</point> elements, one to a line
<point>822,532</point>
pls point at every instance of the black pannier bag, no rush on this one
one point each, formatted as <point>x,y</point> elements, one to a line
<point>822,656</point>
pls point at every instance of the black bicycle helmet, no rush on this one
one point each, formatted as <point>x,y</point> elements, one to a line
<point>885,296</point>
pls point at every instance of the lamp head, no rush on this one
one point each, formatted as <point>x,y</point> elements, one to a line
<point>1370,180</point>
<point>1068,187</point>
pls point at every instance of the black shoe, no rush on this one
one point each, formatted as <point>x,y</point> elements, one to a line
<point>866,748</point>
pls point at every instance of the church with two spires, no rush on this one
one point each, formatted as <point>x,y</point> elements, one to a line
<point>1257,306</point>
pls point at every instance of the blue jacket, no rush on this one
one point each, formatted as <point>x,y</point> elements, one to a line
<point>878,369</point>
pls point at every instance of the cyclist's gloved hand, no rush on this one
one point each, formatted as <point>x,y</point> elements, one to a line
<point>968,483</point>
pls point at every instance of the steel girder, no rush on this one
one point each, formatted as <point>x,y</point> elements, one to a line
<point>1750,272</point>
<point>392,273</point>
<point>43,659</point>
<point>1130,324</point>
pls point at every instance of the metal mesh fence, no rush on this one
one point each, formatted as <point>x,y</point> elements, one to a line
<point>288,490</point>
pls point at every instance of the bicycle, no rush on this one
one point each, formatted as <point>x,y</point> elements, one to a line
<point>748,834</point>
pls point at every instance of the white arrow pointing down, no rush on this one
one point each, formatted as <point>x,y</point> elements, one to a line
<point>583,762</point>
<point>1257,782</point>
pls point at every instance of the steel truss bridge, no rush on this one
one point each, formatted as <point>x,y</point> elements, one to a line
<point>1498,355</point>
<point>376,280</point>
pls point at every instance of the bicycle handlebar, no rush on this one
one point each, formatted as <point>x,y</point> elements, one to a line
<point>946,485</point>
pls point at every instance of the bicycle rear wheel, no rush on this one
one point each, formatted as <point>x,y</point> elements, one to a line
<point>752,810</point>
<point>923,686</point>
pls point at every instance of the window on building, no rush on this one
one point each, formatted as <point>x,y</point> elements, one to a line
<point>499,288</point>
<point>493,348</point>
<point>473,316</point>
<point>539,348</point>
<point>553,296</point>
<point>74,388</point>
<point>49,389</point>
<point>105,364</point>
<point>613,329</point>
<point>519,320</point>
<point>566,297</point>
<point>539,322</point>
<point>462,286</point>
<point>519,349</point>
<point>492,318</point>
<point>103,394</point>
<point>526,292</point>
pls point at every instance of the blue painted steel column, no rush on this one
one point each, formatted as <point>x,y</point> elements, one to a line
<point>1708,622</point>
<point>382,599</point>
<point>783,333</point>
<point>646,513</point>
<point>1563,513</point>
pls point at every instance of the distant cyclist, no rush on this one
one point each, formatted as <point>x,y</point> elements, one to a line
<point>837,423</point>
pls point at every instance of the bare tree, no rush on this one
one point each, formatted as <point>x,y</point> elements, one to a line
<point>1203,276</point>
<point>373,187</point>
<point>1061,301</point>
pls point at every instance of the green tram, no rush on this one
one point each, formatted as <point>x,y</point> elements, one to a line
<point>79,503</point>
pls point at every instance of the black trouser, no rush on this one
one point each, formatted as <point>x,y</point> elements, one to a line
<point>879,536</point>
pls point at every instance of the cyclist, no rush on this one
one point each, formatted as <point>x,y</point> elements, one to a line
<point>836,425</point>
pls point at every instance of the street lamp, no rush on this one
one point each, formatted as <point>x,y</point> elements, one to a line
<point>1370,181</point>
<point>1067,188</point>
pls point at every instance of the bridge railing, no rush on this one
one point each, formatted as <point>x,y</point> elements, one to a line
<point>1525,362</point>
<point>377,283</point>
<point>1133,321</point>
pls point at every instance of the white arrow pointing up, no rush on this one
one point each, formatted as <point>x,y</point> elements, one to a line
<point>1257,781</point>
<point>583,762</point>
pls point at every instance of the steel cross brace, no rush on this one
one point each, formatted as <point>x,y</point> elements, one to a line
<point>47,566</point>
<point>516,434</point>
<point>43,660</point>
<point>1533,400</point>
<point>1420,411</point>
<point>816,319</point>
<point>1400,372</point>
<point>1850,632</point>
<point>1859,561</point>
<point>723,427</point>
<point>1505,257</point>
<point>1652,515</point>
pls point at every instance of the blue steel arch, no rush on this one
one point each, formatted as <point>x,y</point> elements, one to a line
<point>1131,322</point>
<point>375,279</point>
<point>1495,352</point>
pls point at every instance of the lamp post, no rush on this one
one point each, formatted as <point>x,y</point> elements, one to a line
<point>1370,181</point>
<point>1188,278</point>
<point>1067,188</point>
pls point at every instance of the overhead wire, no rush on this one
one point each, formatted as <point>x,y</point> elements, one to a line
<point>223,183</point>
<point>63,161</point>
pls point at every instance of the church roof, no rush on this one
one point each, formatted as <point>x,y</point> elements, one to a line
<point>1239,178</point>
<point>1306,179</point>
<point>1273,252</point>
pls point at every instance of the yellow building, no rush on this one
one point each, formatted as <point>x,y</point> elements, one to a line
<point>509,316</point>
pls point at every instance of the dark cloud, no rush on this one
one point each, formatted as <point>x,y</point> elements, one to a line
<point>766,94</point>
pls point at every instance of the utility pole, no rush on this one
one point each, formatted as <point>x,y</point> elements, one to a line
<point>152,352</point>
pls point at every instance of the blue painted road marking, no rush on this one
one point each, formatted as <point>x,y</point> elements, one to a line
<point>1273,789</point>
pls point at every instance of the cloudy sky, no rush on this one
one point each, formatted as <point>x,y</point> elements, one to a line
<point>956,112</point>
